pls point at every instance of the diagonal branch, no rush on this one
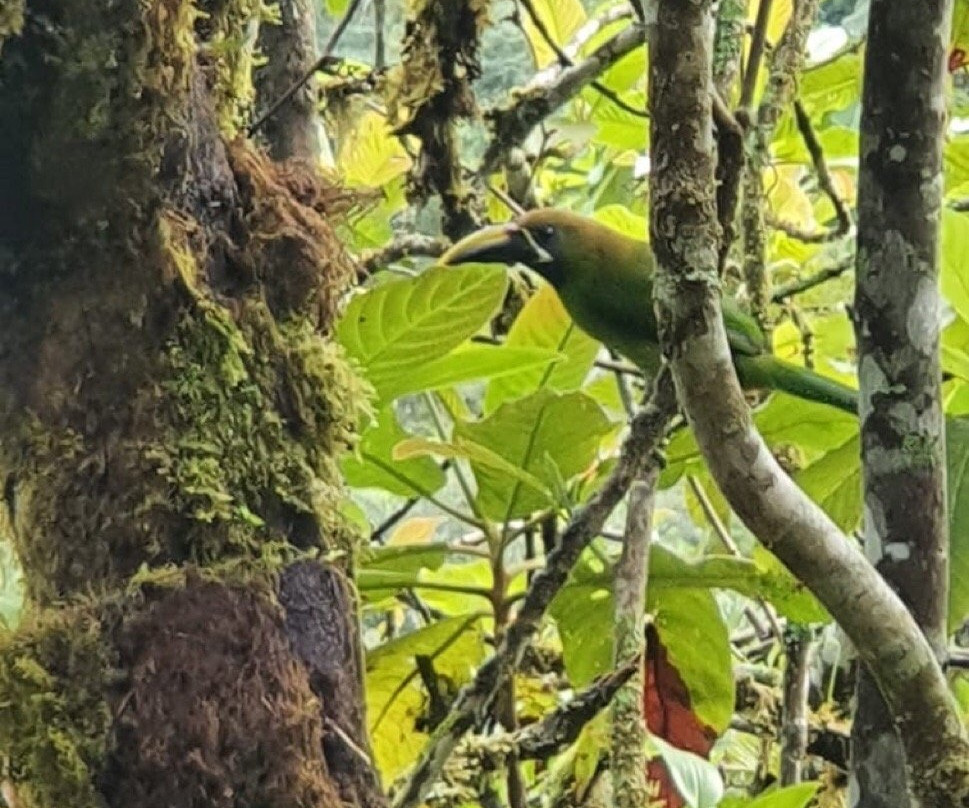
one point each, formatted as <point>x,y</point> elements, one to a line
<point>513,123</point>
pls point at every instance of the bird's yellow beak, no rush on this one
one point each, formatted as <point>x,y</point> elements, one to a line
<point>498,244</point>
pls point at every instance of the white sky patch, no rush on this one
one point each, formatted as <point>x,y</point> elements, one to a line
<point>825,42</point>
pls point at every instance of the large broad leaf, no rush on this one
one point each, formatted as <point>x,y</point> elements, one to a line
<point>797,796</point>
<point>373,466</point>
<point>553,437</point>
<point>396,698</point>
<point>397,328</point>
<point>470,362</point>
<point>697,645</point>
<point>957,451</point>
<point>700,651</point>
<point>955,248</point>
<point>618,127</point>
<point>834,482</point>
<point>831,86</point>
<point>544,324</point>
<point>560,19</point>
<point>371,156</point>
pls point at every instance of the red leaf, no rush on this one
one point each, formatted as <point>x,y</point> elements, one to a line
<point>669,715</point>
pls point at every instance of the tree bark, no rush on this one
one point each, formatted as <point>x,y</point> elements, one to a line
<point>685,241</point>
<point>897,315</point>
<point>171,412</point>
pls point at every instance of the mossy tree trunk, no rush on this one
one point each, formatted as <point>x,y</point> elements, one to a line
<point>171,412</point>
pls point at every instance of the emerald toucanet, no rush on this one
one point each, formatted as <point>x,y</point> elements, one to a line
<point>605,282</point>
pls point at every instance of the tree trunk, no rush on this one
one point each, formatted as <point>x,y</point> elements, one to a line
<point>897,329</point>
<point>170,412</point>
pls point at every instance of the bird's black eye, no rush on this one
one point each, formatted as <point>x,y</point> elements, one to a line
<point>548,231</point>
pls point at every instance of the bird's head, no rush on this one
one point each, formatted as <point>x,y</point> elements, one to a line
<point>542,240</point>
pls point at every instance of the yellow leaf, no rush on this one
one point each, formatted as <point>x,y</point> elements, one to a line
<point>787,199</point>
<point>561,19</point>
<point>417,530</point>
<point>372,156</point>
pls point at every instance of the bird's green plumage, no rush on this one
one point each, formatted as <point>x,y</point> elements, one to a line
<point>605,282</point>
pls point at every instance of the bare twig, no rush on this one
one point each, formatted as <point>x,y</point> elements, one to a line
<point>565,60</point>
<point>825,181</point>
<point>319,64</point>
<point>401,247</point>
<point>472,704</point>
<point>781,293</point>
<point>757,40</point>
<point>513,123</point>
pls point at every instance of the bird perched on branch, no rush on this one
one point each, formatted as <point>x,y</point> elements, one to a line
<point>605,282</point>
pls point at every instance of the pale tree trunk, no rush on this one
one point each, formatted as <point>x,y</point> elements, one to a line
<point>685,239</point>
<point>897,328</point>
<point>171,411</point>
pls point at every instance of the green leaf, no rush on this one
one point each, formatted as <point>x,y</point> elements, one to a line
<point>797,796</point>
<point>697,780</point>
<point>957,456</point>
<point>619,128</point>
<point>467,363</point>
<point>396,698</point>
<point>831,86</point>
<point>561,19</point>
<point>543,323</point>
<point>395,329</point>
<point>378,443</point>
<point>336,8</point>
<point>468,450</point>
<point>371,156</point>
<point>834,482</point>
<point>551,436</point>
<point>955,248</point>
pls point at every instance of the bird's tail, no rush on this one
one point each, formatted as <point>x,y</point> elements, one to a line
<point>776,374</point>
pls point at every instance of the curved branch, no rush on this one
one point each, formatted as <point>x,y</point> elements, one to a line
<point>513,123</point>
<point>684,238</point>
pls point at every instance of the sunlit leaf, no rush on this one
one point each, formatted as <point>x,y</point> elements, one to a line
<point>560,18</point>
<point>396,698</point>
<point>543,323</point>
<point>834,482</point>
<point>371,156</point>
<point>796,796</point>
<point>957,456</point>
<point>468,450</point>
<point>367,469</point>
<point>398,328</point>
<point>551,436</point>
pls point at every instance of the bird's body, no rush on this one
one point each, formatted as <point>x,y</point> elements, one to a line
<point>605,282</point>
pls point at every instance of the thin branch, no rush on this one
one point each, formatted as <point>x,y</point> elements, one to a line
<point>781,293</point>
<point>319,64</point>
<point>471,705</point>
<point>757,41</point>
<point>416,244</point>
<point>565,60</point>
<point>627,758</point>
<point>513,123</point>
<point>825,181</point>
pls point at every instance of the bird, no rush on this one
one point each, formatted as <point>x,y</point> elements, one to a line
<point>604,279</point>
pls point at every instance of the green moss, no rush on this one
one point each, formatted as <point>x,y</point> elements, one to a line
<point>54,722</point>
<point>257,418</point>
<point>230,47</point>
